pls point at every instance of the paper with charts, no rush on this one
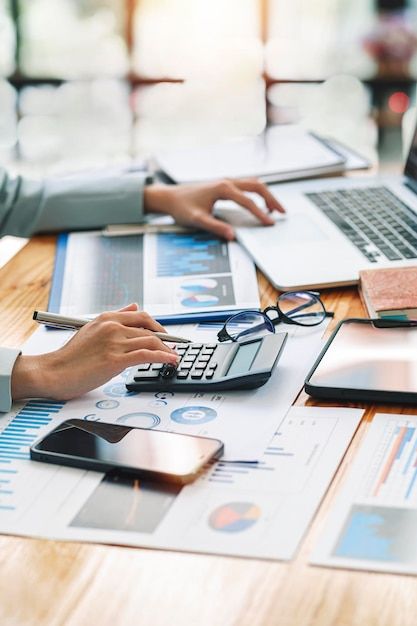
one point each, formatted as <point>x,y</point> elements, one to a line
<point>225,416</point>
<point>165,273</point>
<point>373,524</point>
<point>256,510</point>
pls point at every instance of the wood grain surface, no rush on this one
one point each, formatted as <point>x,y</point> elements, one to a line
<point>49,582</point>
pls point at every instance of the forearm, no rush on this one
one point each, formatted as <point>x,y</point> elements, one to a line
<point>35,377</point>
<point>157,198</point>
<point>70,203</point>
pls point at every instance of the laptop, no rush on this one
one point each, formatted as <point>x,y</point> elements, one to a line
<point>335,227</point>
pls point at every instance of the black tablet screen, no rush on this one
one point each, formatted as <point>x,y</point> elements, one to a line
<point>364,357</point>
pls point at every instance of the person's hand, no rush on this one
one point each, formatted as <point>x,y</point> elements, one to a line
<point>192,205</point>
<point>98,351</point>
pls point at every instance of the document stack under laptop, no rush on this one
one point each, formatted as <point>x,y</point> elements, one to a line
<point>281,153</point>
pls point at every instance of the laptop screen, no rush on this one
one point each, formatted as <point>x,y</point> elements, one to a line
<point>411,164</point>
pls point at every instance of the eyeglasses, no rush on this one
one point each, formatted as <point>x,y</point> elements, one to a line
<point>303,308</point>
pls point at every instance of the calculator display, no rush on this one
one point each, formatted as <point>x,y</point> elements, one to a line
<point>244,358</point>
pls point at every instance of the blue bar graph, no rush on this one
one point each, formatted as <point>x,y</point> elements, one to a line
<point>191,254</point>
<point>16,439</point>
<point>228,472</point>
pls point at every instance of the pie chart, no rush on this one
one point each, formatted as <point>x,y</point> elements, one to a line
<point>197,285</point>
<point>140,420</point>
<point>193,415</point>
<point>234,517</point>
<point>200,300</point>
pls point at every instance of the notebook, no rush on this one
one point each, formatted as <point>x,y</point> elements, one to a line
<point>390,292</point>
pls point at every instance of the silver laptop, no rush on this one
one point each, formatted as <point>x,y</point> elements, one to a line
<point>335,227</point>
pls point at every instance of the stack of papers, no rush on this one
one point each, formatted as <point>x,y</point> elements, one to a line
<point>280,153</point>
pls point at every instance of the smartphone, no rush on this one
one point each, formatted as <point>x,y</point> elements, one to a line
<point>152,454</point>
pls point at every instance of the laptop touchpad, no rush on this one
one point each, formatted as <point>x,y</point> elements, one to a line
<point>301,228</point>
<point>297,228</point>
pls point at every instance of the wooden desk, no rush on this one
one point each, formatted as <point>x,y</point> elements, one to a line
<point>47,582</point>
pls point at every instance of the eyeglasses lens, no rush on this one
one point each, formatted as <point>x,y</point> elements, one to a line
<point>302,307</point>
<point>247,324</point>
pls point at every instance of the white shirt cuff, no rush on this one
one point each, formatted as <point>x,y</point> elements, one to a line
<point>8,357</point>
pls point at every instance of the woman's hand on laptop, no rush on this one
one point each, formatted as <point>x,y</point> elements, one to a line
<point>98,351</point>
<point>192,205</point>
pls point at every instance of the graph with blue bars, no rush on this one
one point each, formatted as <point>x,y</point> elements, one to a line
<point>15,441</point>
<point>190,254</point>
<point>377,533</point>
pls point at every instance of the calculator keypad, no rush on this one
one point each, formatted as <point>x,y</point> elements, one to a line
<point>198,362</point>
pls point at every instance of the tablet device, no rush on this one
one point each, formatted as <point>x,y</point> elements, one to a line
<point>364,361</point>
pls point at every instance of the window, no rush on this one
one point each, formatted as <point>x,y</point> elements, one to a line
<point>98,81</point>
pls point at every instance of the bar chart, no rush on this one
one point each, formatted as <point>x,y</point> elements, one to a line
<point>15,440</point>
<point>373,522</point>
<point>393,475</point>
<point>197,253</point>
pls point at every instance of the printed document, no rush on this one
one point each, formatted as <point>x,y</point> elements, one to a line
<point>373,523</point>
<point>256,510</point>
<point>244,420</point>
<point>165,273</point>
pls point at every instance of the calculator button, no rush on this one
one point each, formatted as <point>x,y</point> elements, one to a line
<point>157,367</point>
<point>182,374</point>
<point>189,359</point>
<point>209,374</point>
<point>200,366</point>
<point>211,346</point>
<point>168,371</point>
<point>212,365</point>
<point>147,375</point>
<point>185,366</point>
<point>196,346</point>
<point>197,375</point>
<point>143,367</point>
<point>204,358</point>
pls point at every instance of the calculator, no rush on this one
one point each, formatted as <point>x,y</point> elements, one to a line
<point>212,366</point>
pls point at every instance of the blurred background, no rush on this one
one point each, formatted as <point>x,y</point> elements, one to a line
<point>86,83</point>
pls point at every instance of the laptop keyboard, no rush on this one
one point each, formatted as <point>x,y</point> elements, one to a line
<point>379,224</point>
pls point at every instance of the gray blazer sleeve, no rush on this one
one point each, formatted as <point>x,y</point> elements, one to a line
<point>8,357</point>
<point>69,203</point>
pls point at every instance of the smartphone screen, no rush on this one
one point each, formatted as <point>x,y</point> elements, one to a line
<point>101,446</point>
